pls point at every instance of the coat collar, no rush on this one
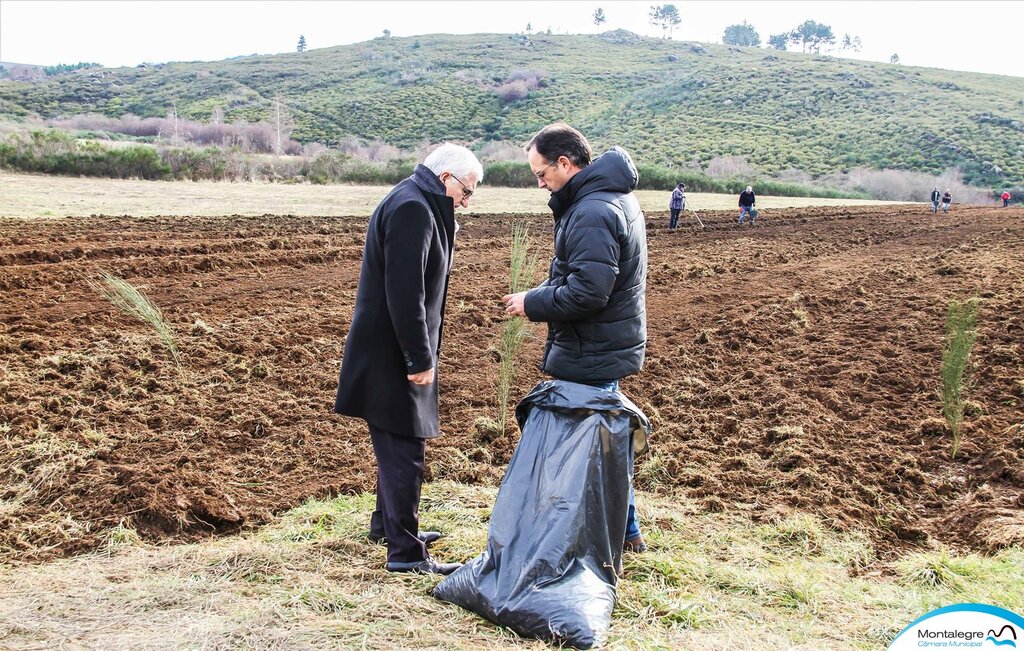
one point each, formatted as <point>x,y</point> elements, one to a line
<point>427,181</point>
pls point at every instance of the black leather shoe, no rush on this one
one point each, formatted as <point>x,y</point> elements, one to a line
<point>428,566</point>
<point>426,536</point>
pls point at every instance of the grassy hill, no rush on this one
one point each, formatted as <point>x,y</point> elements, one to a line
<point>672,103</point>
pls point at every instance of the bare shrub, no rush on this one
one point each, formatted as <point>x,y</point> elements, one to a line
<point>512,91</point>
<point>792,175</point>
<point>502,151</point>
<point>311,149</point>
<point>904,185</point>
<point>518,84</point>
<point>531,77</point>
<point>376,151</point>
<point>260,137</point>
<point>729,166</point>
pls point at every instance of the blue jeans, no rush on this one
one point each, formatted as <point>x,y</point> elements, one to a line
<point>935,207</point>
<point>673,219</point>
<point>632,526</point>
<point>746,211</point>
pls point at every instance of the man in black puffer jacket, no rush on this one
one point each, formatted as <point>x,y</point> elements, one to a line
<point>593,299</point>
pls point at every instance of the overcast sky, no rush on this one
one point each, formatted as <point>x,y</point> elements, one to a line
<point>973,36</point>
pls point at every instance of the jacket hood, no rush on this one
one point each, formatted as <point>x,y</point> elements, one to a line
<point>612,171</point>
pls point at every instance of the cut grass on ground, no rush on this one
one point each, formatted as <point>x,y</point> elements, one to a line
<point>312,581</point>
<point>32,195</point>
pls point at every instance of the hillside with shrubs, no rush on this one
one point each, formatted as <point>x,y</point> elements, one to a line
<point>714,115</point>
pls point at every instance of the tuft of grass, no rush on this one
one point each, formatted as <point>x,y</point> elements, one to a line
<point>801,533</point>
<point>961,319</point>
<point>127,298</point>
<point>123,535</point>
<point>522,267</point>
<point>937,570</point>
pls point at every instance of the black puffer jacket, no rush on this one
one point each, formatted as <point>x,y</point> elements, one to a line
<point>593,300</point>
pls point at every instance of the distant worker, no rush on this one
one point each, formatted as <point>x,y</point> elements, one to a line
<point>676,205</point>
<point>936,195</point>
<point>747,200</point>
<point>1006,198</point>
<point>946,200</point>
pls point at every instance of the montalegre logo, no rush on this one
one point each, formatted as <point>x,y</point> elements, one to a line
<point>963,626</point>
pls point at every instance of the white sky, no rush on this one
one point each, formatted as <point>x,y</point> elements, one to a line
<point>975,36</point>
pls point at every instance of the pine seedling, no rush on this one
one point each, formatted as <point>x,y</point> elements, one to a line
<point>522,267</point>
<point>956,352</point>
<point>132,302</point>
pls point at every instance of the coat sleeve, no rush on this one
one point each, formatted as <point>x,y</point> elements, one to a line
<point>408,231</point>
<point>593,261</point>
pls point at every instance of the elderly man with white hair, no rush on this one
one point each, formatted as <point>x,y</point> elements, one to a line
<point>747,201</point>
<point>389,369</point>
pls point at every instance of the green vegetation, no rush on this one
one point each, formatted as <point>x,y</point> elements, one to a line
<point>125,297</point>
<point>672,104</point>
<point>61,68</point>
<point>743,34</point>
<point>960,336</point>
<point>55,152</point>
<point>312,580</point>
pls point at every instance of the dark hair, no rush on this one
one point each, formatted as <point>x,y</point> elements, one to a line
<point>559,139</point>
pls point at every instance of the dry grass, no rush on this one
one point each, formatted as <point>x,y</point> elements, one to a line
<point>312,581</point>
<point>30,195</point>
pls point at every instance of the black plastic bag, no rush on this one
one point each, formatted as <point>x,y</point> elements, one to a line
<point>555,539</point>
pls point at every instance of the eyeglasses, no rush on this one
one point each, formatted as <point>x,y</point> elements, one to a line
<point>540,174</point>
<point>466,192</point>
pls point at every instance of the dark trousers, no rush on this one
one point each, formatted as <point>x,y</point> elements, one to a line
<point>673,219</point>
<point>399,479</point>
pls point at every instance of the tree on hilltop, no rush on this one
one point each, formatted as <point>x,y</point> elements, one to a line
<point>599,17</point>
<point>301,47</point>
<point>666,17</point>
<point>743,35</point>
<point>851,43</point>
<point>779,41</point>
<point>812,35</point>
<point>894,59</point>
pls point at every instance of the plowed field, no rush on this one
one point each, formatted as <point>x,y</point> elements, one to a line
<point>791,366</point>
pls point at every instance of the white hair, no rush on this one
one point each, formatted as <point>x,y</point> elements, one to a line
<point>750,189</point>
<point>454,159</point>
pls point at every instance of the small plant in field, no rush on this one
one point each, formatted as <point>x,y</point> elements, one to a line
<point>960,335</point>
<point>130,300</point>
<point>522,267</point>
<point>123,535</point>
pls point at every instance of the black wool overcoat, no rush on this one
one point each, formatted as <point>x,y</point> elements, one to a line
<point>399,311</point>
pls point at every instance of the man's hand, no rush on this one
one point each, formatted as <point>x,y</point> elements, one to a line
<point>515,304</point>
<point>422,378</point>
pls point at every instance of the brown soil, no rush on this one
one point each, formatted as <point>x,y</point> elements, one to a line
<point>793,365</point>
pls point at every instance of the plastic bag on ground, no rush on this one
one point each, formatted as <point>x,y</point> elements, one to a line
<point>556,531</point>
